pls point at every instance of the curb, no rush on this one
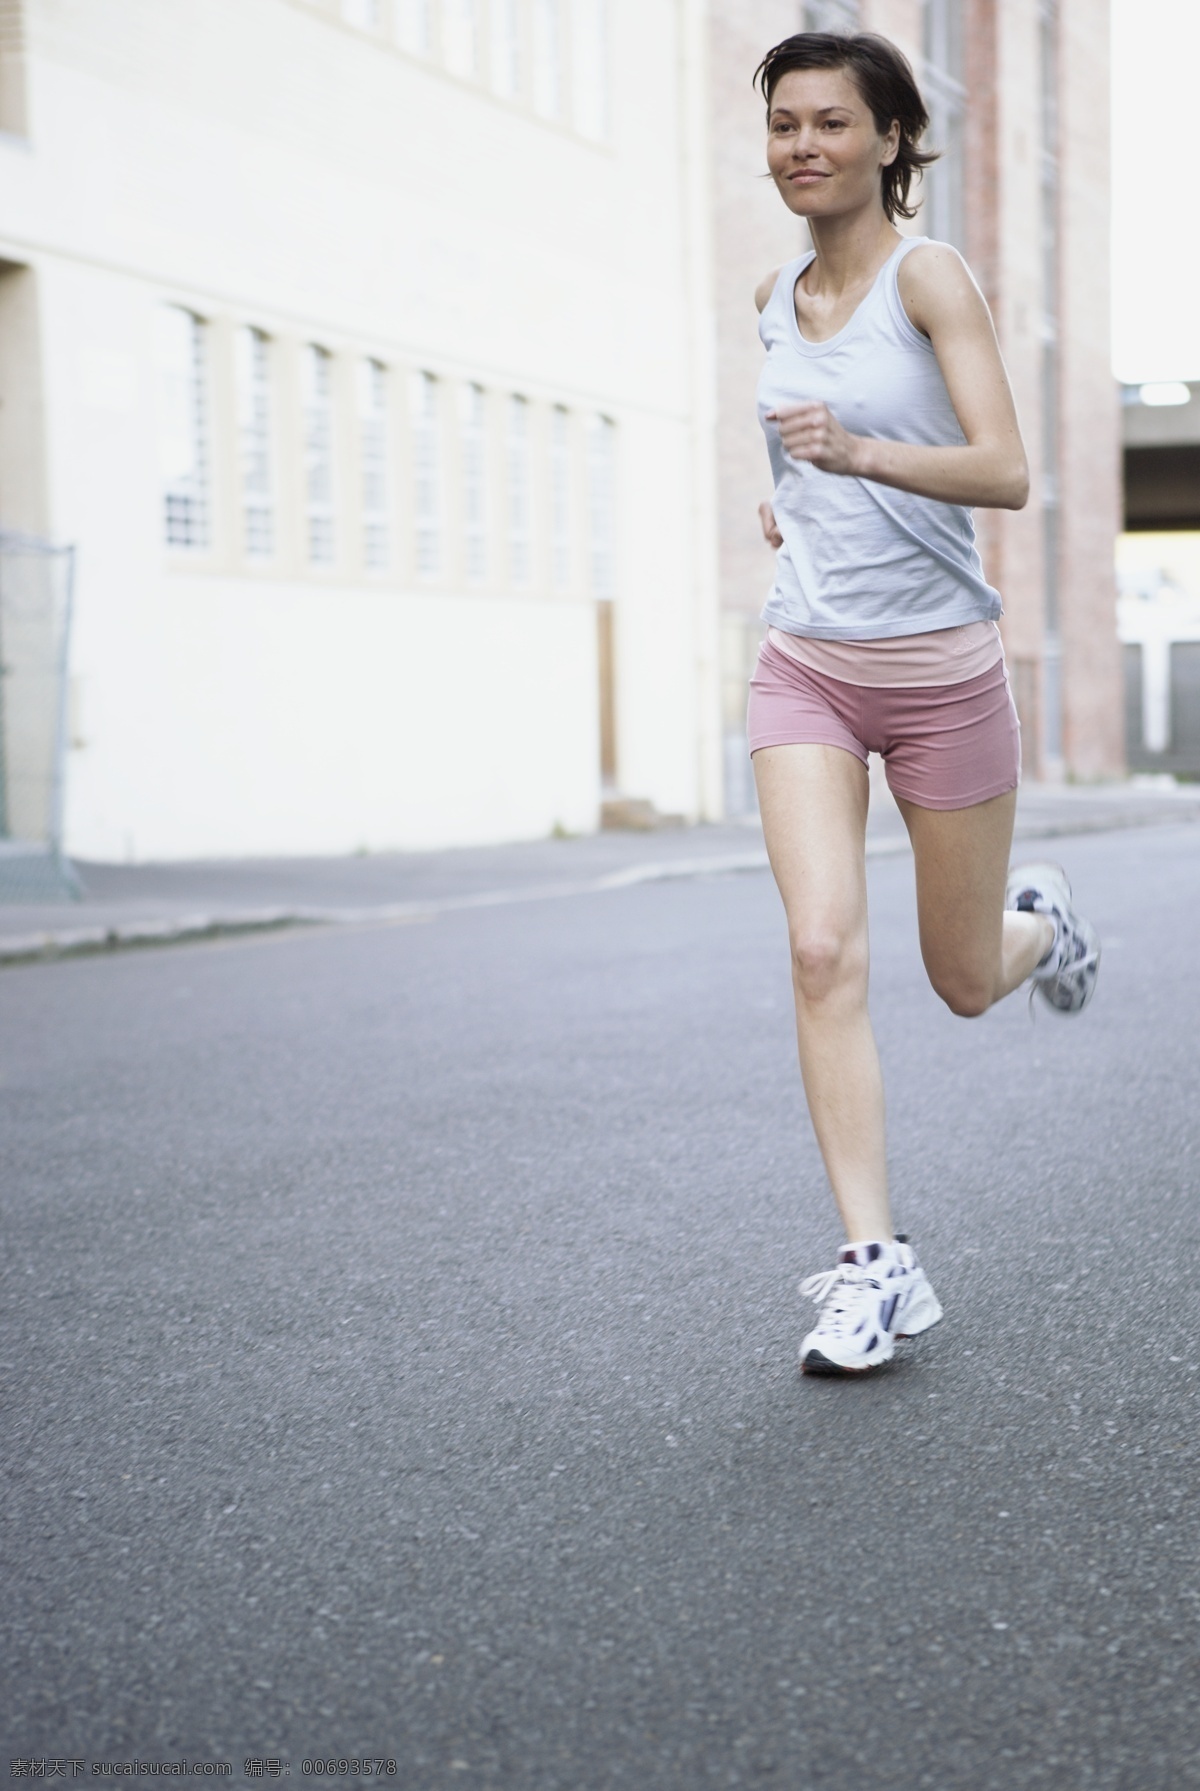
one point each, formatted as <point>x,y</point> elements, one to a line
<point>32,948</point>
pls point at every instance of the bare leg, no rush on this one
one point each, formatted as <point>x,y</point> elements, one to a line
<point>974,952</point>
<point>813,801</point>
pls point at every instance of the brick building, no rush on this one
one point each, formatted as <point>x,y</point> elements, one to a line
<point>1017,91</point>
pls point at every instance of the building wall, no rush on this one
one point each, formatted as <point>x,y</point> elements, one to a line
<point>1090,459</point>
<point>264,162</point>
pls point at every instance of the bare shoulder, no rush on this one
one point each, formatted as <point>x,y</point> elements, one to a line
<point>938,288</point>
<point>765,288</point>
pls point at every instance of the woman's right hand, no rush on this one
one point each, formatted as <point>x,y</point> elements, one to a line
<point>770,527</point>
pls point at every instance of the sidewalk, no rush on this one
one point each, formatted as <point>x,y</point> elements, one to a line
<point>131,905</point>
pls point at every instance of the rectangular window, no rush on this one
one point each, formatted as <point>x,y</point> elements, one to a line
<point>589,68</point>
<point>602,505</point>
<point>560,498</point>
<point>520,545</point>
<point>837,16</point>
<point>363,13</point>
<point>505,44</point>
<point>475,506</point>
<point>547,55</point>
<point>373,464</point>
<point>414,26</point>
<point>943,214</point>
<point>252,372</point>
<point>317,386</point>
<point>181,354</point>
<point>460,36</point>
<point>427,471</point>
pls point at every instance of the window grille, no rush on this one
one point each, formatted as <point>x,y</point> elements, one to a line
<point>505,47</point>
<point>318,453</point>
<point>252,372</point>
<point>520,554</point>
<point>602,503</point>
<point>373,464</point>
<point>560,498</point>
<point>460,36</point>
<point>589,68</point>
<point>943,213</point>
<point>427,468</point>
<point>414,26</point>
<point>474,454</point>
<point>181,346</point>
<point>547,52</point>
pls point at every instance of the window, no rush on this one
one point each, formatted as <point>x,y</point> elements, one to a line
<point>460,36</point>
<point>427,470</point>
<point>602,495</point>
<point>317,378</point>
<point>252,373</point>
<point>520,545</point>
<point>373,464</point>
<point>181,353</point>
<point>560,498</point>
<point>832,15</point>
<point>589,68</point>
<point>505,47</point>
<point>363,13</point>
<point>474,451</point>
<point>414,26</point>
<point>547,51</point>
<point>945,95</point>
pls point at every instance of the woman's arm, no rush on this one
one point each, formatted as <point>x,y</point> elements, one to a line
<point>766,515</point>
<point>944,303</point>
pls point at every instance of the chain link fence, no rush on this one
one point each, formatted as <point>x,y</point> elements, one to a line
<point>35,623</point>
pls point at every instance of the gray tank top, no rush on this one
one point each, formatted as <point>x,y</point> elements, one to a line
<point>862,561</point>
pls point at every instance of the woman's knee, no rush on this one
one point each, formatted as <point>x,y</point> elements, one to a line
<point>827,961</point>
<point>965,992</point>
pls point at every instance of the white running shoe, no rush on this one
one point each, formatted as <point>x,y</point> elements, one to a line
<point>876,1294</point>
<point>1066,976</point>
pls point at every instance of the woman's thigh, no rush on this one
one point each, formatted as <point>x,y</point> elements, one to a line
<point>813,802</point>
<point>961,859</point>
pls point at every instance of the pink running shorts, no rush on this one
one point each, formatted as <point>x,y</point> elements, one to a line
<point>942,745</point>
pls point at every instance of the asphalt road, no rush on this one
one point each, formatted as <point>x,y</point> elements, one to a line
<point>399,1337</point>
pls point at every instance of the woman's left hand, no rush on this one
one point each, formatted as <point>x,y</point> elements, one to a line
<point>811,432</point>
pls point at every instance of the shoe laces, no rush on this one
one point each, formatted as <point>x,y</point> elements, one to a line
<point>839,1292</point>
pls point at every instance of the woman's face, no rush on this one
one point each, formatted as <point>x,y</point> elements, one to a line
<point>823,150</point>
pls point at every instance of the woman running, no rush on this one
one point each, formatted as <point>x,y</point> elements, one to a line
<point>888,414</point>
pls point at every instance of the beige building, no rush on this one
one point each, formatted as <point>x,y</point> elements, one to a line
<point>363,348</point>
<point>1018,94</point>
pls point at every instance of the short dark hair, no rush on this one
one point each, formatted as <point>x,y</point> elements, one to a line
<point>884,77</point>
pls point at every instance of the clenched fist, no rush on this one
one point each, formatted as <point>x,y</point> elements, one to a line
<point>811,432</point>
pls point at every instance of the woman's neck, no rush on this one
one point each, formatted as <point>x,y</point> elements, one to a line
<point>850,249</point>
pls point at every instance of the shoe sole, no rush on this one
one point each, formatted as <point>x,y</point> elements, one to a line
<point>1092,939</point>
<point>1033,874</point>
<point>815,1363</point>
